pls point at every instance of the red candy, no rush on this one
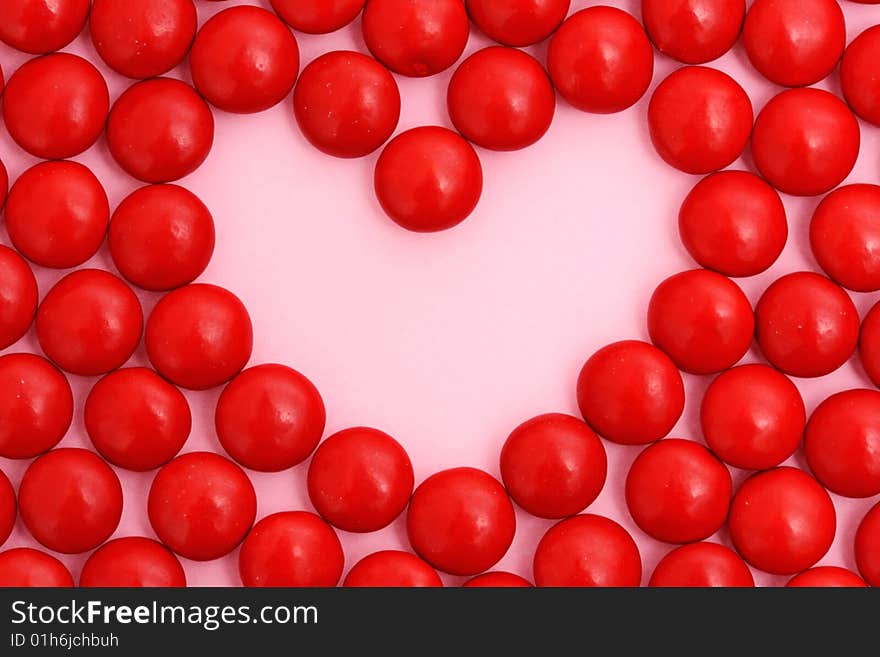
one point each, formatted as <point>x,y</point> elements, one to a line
<point>701,565</point>
<point>201,505</point>
<point>630,393</point>
<point>36,406</point>
<point>517,22</point>
<point>57,214</point>
<point>136,419</point>
<point>294,548</point>
<point>70,500</point>
<point>867,546</point>
<point>244,60</point>
<point>461,521</point>
<point>25,567</point>
<point>161,237</point>
<point>496,580</point>
<point>142,38</point>
<point>553,466</point>
<point>827,576</point>
<point>269,418</point>
<point>677,492</point>
<point>794,42</point>
<point>346,104</point>
<point>734,223</point>
<point>417,39</point>
<point>844,234</point>
<point>18,296</point>
<point>700,119</point>
<point>600,60</point>
<point>501,99</point>
<point>89,323</point>
<point>41,26</point>
<point>55,106</point>
<point>805,141</point>
<point>360,479</point>
<point>752,417</point>
<point>693,31</point>
<point>8,507</point>
<point>782,521</point>
<point>869,345</point>
<point>702,320</point>
<point>132,562</point>
<point>392,568</point>
<point>428,179</point>
<point>318,16</point>
<point>842,443</point>
<point>160,130</point>
<point>587,550</point>
<point>860,75</point>
<point>199,336</point>
<point>806,325</point>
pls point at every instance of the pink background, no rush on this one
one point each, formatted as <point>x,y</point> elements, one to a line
<point>445,341</point>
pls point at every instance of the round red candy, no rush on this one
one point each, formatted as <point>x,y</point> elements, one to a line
<point>269,418</point>
<point>497,580</point>
<point>346,104</point>
<point>842,443</point>
<point>553,466</point>
<point>587,550</point>
<point>701,565</point>
<point>199,336</point>
<point>794,42</point>
<point>782,521</point>
<point>501,99</point>
<point>517,22</point>
<point>392,568</point>
<point>25,567</point>
<point>701,320</point>
<point>89,323</point>
<point>869,345</point>
<point>18,297</point>
<point>70,500</point>
<point>630,393</point>
<point>8,507</point>
<point>244,60</point>
<point>844,235</point>
<point>201,505</point>
<point>132,562</point>
<point>142,38</point>
<point>417,39</point>
<point>860,75</point>
<point>827,576</point>
<point>161,237</point>
<point>734,223</point>
<point>600,60</point>
<point>693,31</point>
<point>805,141</point>
<point>160,130</point>
<point>57,214</point>
<point>461,521</point>
<point>293,548</point>
<point>318,16</point>
<point>752,417</point>
<point>677,492</point>
<point>36,406</point>
<point>700,119</point>
<point>806,325</point>
<point>360,479</point>
<point>867,546</point>
<point>55,106</point>
<point>428,179</point>
<point>41,26</point>
<point>136,419</point>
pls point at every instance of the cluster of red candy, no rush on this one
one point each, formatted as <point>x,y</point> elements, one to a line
<point>269,418</point>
